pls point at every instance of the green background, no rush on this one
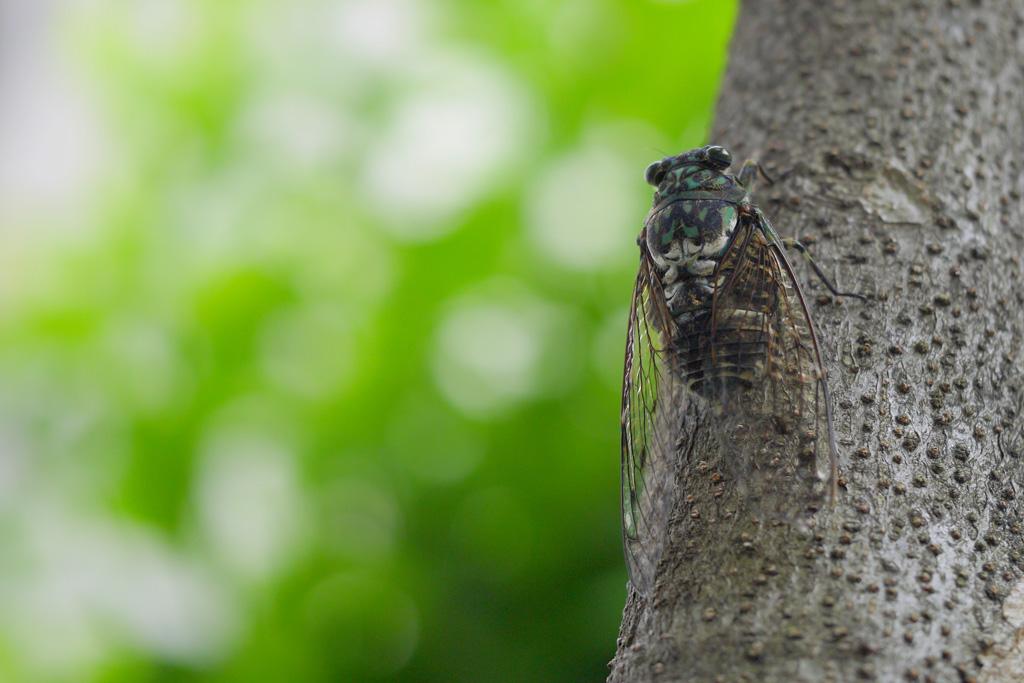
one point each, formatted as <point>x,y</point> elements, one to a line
<point>310,364</point>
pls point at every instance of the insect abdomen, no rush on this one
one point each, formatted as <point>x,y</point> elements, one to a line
<point>726,349</point>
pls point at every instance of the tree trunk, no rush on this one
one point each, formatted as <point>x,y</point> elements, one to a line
<point>895,133</point>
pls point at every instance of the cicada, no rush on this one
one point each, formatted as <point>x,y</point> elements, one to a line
<point>718,318</point>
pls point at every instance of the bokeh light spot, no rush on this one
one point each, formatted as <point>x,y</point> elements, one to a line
<point>488,352</point>
<point>584,211</point>
<point>499,344</point>
<point>250,503</point>
<point>99,583</point>
<point>297,130</point>
<point>379,32</point>
<point>308,351</point>
<point>448,141</point>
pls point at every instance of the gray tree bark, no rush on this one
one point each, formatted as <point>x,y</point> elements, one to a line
<point>895,131</point>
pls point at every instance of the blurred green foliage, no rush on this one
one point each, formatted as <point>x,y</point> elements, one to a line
<point>316,375</point>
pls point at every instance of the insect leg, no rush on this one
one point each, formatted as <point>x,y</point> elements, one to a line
<point>749,172</point>
<point>791,243</point>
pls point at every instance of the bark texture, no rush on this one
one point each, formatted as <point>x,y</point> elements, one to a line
<point>895,132</point>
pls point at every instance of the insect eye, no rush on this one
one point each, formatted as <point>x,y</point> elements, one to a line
<point>719,157</point>
<point>655,173</point>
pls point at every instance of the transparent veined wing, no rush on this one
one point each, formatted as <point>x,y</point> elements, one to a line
<point>650,398</point>
<point>762,346</point>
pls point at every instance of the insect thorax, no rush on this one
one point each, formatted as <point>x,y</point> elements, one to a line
<point>686,239</point>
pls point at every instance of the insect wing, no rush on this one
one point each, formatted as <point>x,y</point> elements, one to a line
<point>650,396</point>
<point>763,337</point>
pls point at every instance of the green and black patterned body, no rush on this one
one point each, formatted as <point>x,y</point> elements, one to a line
<point>696,210</point>
<point>717,318</point>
